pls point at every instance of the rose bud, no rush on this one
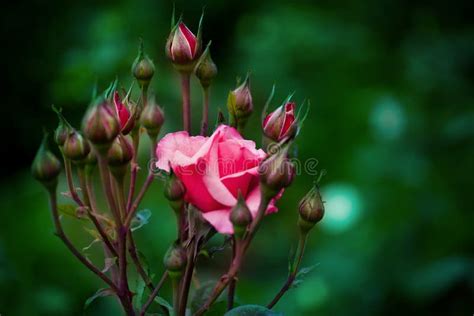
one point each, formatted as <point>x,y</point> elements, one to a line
<point>46,167</point>
<point>126,118</point>
<point>240,104</point>
<point>280,123</point>
<point>175,260</point>
<point>63,129</point>
<point>76,147</point>
<point>174,191</point>
<point>143,68</point>
<point>311,209</point>
<point>152,118</point>
<point>100,124</point>
<point>183,47</point>
<point>206,69</point>
<point>240,216</point>
<point>276,172</point>
<point>120,153</point>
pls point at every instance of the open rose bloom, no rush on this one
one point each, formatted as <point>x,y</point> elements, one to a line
<point>214,169</point>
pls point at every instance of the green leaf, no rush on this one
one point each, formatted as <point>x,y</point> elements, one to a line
<point>67,209</point>
<point>98,294</point>
<point>142,218</point>
<point>300,276</point>
<point>164,303</point>
<point>139,289</point>
<point>217,309</point>
<point>252,310</point>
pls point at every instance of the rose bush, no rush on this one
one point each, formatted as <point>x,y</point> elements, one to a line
<point>214,169</point>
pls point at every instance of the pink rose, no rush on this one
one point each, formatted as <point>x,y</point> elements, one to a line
<point>214,169</point>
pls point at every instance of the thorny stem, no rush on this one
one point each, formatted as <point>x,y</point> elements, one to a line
<point>62,235</point>
<point>154,294</point>
<point>185,90</point>
<point>132,249</point>
<point>186,280</point>
<point>92,211</point>
<point>295,266</point>
<point>122,232</point>
<point>237,261</point>
<point>205,110</point>
<point>231,289</point>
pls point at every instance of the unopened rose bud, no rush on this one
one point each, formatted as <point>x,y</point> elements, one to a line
<point>183,48</point>
<point>46,166</point>
<point>311,209</point>
<point>240,104</point>
<point>143,68</point>
<point>152,119</point>
<point>100,124</point>
<point>76,147</point>
<point>206,69</point>
<point>240,216</point>
<point>276,172</point>
<point>124,113</point>
<point>120,153</point>
<point>63,129</point>
<point>174,191</point>
<point>281,123</point>
<point>175,260</point>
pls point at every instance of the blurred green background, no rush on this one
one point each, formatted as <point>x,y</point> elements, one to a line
<point>392,122</point>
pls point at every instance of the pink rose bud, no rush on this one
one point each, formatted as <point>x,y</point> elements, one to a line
<point>240,216</point>
<point>183,47</point>
<point>46,167</point>
<point>311,209</point>
<point>206,69</point>
<point>175,260</point>
<point>280,123</point>
<point>276,172</point>
<point>143,68</point>
<point>100,124</point>
<point>76,147</point>
<point>126,119</point>
<point>240,104</point>
<point>152,118</point>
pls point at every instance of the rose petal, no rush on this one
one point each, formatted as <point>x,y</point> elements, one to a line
<point>220,220</point>
<point>190,38</point>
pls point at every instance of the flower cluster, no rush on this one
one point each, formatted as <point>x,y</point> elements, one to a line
<point>220,183</point>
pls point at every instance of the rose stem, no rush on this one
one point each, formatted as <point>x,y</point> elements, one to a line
<point>62,235</point>
<point>295,266</point>
<point>123,291</point>
<point>232,283</point>
<point>136,143</point>
<point>86,186</point>
<point>185,91</point>
<point>133,208</point>
<point>154,293</point>
<point>186,281</point>
<point>205,110</point>
<point>122,236</point>
<point>132,248</point>
<point>239,253</point>
<point>70,183</point>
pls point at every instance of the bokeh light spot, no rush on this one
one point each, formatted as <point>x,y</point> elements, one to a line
<point>342,205</point>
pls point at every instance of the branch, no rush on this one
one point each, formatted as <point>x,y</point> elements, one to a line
<point>61,234</point>
<point>154,293</point>
<point>295,267</point>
